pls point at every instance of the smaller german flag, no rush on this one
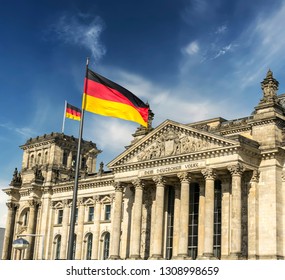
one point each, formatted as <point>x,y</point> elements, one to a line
<point>72,112</point>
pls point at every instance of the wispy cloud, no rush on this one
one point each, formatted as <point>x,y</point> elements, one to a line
<point>221,29</point>
<point>192,48</point>
<point>25,132</point>
<point>223,51</point>
<point>81,31</point>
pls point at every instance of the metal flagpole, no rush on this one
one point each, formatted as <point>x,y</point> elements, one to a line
<point>64,113</point>
<point>75,190</point>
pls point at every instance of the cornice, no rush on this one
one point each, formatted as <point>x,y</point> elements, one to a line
<point>90,184</point>
<point>176,159</point>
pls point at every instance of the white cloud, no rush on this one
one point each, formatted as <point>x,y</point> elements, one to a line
<point>192,48</point>
<point>221,29</point>
<point>72,30</point>
<point>223,50</point>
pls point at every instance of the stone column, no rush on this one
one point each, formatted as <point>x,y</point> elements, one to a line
<point>176,222</point>
<point>252,211</point>
<point>80,228</point>
<point>159,215</point>
<point>236,172</point>
<point>64,233</point>
<point>137,220</point>
<point>31,228</point>
<point>201,219</point>
<point>184,215</point>
<point>225,230</point>
<point>116,222</point>
<point>96,236</point>
<point>209,176</point>
<point>9,231</point>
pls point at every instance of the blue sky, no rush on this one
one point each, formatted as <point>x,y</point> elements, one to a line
<point>190,59</point>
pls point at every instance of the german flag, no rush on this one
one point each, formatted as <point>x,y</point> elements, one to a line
<point>72,112</point>
<point>104,97</point>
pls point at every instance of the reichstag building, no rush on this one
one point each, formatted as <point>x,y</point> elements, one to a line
<point>213,189</point>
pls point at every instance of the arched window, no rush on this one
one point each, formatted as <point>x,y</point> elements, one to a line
<point>89,246</point>
<point>57,247</point>
<point>32,160</point>
<point>106,246</point>
<point>39,159</point>
<point>25,218</point>
<point>65,157</point>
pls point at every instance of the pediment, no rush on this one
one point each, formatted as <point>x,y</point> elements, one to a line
<point>171,139</point>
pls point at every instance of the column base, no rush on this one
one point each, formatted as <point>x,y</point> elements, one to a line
<point>135,257</point>
<point>114,257</point>
<point>207,256</point>
<point>235,256</point>
<point>156,257</point>
<point>182,257</point>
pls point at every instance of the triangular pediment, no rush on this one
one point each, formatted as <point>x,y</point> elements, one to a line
<point>171,139</point>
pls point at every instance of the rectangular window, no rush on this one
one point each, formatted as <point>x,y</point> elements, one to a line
<point>107,212</point>
<point>91,214</point>
<point>59,216</point>
<point>76,215</point>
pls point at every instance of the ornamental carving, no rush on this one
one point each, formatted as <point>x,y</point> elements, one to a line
<point>255,176</point>
<point>184,177</point>
<point>209,173</point>
<point>173,142</point>
<point>119,186</point>
<point>237,169</point>
<point>138,184</point>
<point>159,181</point>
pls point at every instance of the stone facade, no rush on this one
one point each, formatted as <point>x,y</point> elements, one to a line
<point>213,189</point>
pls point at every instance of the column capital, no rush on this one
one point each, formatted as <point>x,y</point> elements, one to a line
<point>32,203</point>
<point>256,173</point>
<point>184,177</point>
<point>138,183</point>
<point>12,205</point>
<point>119,186</point>
<point>159,180</point>
<point>97,198</point>
<point>236,169</point>
<point>209,173</point>
<point>80,201</point>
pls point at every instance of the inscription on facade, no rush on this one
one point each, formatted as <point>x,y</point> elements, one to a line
<point>173,169</point>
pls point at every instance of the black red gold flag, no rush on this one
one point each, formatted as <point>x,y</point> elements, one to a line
<point>104,97</point>
<point>72,112</point>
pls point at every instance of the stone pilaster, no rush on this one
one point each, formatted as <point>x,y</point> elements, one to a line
<point>137,220</point>
<point>9,231</point>
<point>96,235</point>
<point>80,228</point>
<point>159,222</point>
<point>31,228</point>
<point>184,215</point>
<point>209,175</point>
<point>116,222</point>
<point>176,222</point>
<point>236,172</point>
<point>252,211</point>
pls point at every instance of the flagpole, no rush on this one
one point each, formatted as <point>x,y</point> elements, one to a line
<point>64,113</point>
<point>75,190</point>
